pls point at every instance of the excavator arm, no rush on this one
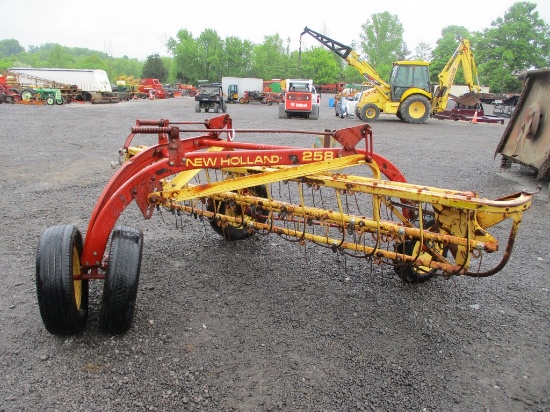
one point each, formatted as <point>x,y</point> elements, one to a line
<point>351,57</point>
<point>464,56</point>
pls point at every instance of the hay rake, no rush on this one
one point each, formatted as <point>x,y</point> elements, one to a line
<point>301,194</point>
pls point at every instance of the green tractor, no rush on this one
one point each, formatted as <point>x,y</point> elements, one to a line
<point>50,96</point>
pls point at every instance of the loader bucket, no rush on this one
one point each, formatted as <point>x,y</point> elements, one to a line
<point>526,139</point>
<point>467,99</point>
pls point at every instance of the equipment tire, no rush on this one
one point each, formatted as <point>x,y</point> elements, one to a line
<point>27,95</point>
<point>282,111</point>
<point>370,112</point>
<point>224,108</point>
<point>62,299</point>
<point>314,113</point>
<point>50,101</point>
<point>198,108</point>
<point>231,232</point>
<point>415,109</point>
<point>399,115</point>
<point>408,273</point>
<point>121,280</point>
<point>216,108</point>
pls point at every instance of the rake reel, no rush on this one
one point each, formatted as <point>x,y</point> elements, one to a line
<point>241,189</point>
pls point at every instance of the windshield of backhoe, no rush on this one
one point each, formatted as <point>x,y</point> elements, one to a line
<point>406,76</point>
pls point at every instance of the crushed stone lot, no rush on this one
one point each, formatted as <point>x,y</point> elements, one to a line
<point>264,324</point>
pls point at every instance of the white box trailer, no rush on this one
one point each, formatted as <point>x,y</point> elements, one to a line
<point>239,85</point>
<point>88,80</point>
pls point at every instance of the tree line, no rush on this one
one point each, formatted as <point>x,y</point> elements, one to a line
<point>515,42</point>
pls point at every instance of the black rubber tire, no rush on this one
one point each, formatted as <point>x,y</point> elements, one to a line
<point>231,232</point>
<point>197,108</point>
<point>282,111</point>
<point>63,301</point>
<point>314,115</point>
<point>408,273</point>
<point>370,112</point>
<point>415,109</point>
<point>121,280</point>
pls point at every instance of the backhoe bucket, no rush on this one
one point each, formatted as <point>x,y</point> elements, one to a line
<point>467,99</point>
<point>526,139</point>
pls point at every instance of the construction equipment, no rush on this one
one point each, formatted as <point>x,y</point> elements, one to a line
<point>408,94</point>
<point>240,189</point>
<point>300,100</point>
<point>526,139</point>
<point>232,93</point>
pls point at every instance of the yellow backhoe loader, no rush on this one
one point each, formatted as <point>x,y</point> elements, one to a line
<point>409,94</point>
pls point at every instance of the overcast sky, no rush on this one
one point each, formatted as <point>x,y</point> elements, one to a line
<point>139,29</point>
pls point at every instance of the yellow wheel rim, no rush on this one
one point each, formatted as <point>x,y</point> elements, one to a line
<point>417,110</point>
<point>370,113</point>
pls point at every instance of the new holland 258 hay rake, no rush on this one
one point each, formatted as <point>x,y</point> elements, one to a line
<point>300,194</point>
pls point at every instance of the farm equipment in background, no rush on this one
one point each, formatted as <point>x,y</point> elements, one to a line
<point>41,95</point>
<point>7,93</point>
<point>81,85</point>
<point>253,96</point>
<point>187,89</point>
<point>526,139</point>
<point>333,88</point>
<point>152,87</point>
<point>505,107</point>
<point>196,171</point>
<point>262,97</point>
<point>474,114</point>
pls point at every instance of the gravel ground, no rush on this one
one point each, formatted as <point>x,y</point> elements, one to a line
<point>263,324</point>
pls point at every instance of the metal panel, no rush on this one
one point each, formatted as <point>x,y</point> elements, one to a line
<point>526,139</point>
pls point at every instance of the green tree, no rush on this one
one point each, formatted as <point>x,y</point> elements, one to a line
<point>319,64</point>
<point>382,42</point>
<point>422,52</point>
<point>516,42</point>
<point>125,66</point>
<point>236,60</point>
<point>270,59</point>
<point>56,57</point>
<point>153,67</point>
<point>210,48</point>
<point>185,50</point>
<point>445,47</point>
<point>10,47</point>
